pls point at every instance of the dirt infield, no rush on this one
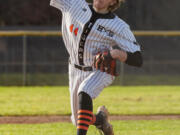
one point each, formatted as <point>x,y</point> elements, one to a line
<point>55,118</point>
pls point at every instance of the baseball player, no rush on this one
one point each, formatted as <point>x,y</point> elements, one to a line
<point>95,38</point>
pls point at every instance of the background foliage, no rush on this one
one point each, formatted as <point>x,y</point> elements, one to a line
<point>140,14</point>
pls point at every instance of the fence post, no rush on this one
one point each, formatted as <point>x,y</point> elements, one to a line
<point>121,73</point>
<point>24,59</point>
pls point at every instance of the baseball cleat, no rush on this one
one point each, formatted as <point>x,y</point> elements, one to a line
<point>105,127</point>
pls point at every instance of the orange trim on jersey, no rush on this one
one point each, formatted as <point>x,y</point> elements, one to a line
<point>82,127</point>
<point>71,28</point>
<point>76,31</point>
<point>85,111</point>
<point>84,116</point>
<point>83,122</point>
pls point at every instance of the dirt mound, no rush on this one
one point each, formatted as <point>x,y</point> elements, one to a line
<point>55,118</point>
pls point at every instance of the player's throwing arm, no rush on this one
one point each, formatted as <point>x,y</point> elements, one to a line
<point>90,32</point>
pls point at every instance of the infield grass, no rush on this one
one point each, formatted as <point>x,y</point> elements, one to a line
<point>163,127</point>
<point>119,100</point>
<point>52,79</point>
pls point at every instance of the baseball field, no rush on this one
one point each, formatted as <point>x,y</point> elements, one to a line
<point>135,110</point>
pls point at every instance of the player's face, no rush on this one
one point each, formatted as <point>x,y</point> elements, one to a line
<point>103,4</point>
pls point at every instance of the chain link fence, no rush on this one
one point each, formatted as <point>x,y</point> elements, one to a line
<point>40,58</point>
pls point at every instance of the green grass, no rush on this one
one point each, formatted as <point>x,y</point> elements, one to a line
<point>119,100</point>
<point>40,79</point>
<point>51,79</point>
<point>163,127</point>
<point>148,80</point>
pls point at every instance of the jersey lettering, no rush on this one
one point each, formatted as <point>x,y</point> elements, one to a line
<point>103,29</point>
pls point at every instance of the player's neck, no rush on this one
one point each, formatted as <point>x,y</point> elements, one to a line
<point>101,11</point>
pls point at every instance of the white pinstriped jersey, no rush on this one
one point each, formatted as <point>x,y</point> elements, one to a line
<point>85,33</point>
<point>106,32</point>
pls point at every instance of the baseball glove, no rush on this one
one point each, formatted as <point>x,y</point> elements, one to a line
<point>103,61</point>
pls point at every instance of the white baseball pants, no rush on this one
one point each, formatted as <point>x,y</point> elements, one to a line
<point>90,82</point>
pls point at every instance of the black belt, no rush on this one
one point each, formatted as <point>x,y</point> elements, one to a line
<point>83,68</point>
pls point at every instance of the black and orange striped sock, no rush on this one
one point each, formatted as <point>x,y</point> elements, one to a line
<point>85,115</point>
<point>84,120</point>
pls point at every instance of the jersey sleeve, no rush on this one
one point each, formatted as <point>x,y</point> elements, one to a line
<point>63,5</point>
<point>126,41</point>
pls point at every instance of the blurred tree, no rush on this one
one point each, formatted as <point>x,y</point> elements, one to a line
<point>28,12</point>
<point>153,14</point>
<point>139,14</point>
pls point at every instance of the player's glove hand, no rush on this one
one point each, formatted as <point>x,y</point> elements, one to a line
<point>103,61</point>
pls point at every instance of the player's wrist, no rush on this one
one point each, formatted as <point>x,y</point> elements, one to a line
<point>119,54</point>
<point>114,53</point>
